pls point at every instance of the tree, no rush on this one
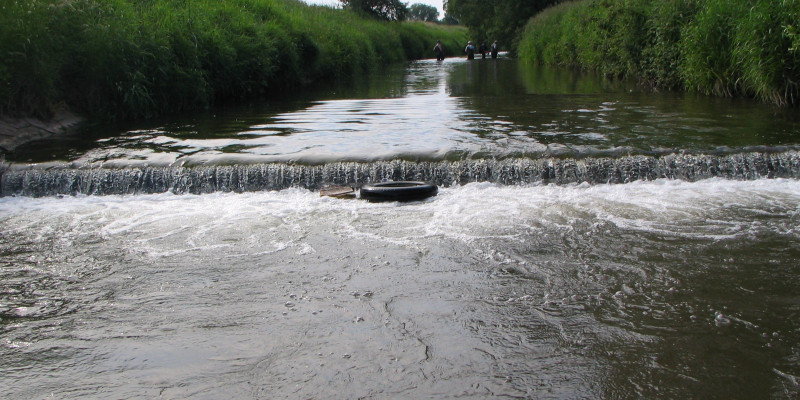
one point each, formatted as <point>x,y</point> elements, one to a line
<point>423,12</point>
<point>449,19</point>
<point>390,10</point>
<point>496,19</point>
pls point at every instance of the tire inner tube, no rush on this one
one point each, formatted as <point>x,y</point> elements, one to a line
<point>398,191</point>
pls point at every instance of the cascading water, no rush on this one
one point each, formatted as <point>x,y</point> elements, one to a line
<point>247,178</point>
<point>597,244</point>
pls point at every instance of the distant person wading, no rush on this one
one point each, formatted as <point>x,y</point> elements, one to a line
<point>470,50</point>
<point>495,49</point>
<point>439,50</point>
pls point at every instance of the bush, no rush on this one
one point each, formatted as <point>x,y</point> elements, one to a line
<point>662,56</point>
<point>765,54</point>
<point>721,47</point>
<point>708,45</point>
<point>142,58</point>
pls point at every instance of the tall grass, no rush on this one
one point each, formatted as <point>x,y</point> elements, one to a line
<point>142,58</point>
<point>721,47</point>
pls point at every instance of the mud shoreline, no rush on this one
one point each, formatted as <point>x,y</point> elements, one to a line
<point>15,132</point>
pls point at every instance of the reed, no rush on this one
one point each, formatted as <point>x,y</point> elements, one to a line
<point>122,59</point>
<point>766,56</point>
<point>721,47</point>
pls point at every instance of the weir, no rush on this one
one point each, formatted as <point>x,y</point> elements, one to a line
<point>37,181</point>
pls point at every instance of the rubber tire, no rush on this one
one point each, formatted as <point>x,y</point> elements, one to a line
<point>398,191</point>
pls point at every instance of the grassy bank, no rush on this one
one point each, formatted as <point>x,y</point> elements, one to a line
<point>142,58</point>
<point>721,47</point>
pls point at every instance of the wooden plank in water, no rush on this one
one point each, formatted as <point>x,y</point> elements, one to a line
<point>338,191</point>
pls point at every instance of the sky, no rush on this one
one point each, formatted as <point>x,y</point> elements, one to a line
<point>435,3</point>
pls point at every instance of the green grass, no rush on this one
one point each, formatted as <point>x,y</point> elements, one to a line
<point>721,47</point>
<point>126,59</point>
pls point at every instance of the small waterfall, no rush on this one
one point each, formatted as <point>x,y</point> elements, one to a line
<point>64,180</point>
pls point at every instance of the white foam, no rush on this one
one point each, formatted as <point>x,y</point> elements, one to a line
<point>709,208</point>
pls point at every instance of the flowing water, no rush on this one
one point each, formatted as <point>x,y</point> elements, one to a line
<point>589,240</point>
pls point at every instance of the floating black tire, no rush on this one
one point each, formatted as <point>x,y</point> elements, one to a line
<point>398,191</point>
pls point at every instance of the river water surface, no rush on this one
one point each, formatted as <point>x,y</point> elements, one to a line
<point>589,240</point>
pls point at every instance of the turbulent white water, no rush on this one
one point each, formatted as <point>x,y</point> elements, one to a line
<point>648,289</point>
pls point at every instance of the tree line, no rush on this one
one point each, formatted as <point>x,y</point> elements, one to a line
<point>501,20</point>
<point>490,20</point>
<point>396,10</point>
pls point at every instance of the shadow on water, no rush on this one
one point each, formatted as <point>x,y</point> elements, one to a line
<point>585,114</point>
<point>455,110</point>
<point>219,128</point>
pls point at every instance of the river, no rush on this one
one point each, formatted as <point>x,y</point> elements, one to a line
<point>589,240</point>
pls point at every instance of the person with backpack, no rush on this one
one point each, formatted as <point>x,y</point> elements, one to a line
<point>470,50</point>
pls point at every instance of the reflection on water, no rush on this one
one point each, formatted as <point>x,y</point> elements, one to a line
<point>444,111</point>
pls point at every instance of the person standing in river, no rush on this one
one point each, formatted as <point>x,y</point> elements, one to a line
<point>495,49</point>
<point>483,49</point>
<point>439,50</point>
<point>470,50</point>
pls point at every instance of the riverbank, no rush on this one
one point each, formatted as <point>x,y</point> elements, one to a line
<point>717,47</point>
<point>128,59</point>
<point>15,132</point>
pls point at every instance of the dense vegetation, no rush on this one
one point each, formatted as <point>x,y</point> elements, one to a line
<point>423,12</point>
<point>390,10</point>
<point>721,47</point>
<point>141,58</point>
<point>500,20</point>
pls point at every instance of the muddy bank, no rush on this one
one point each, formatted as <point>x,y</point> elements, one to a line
<point>18,131</point>
<point>15,132</point>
